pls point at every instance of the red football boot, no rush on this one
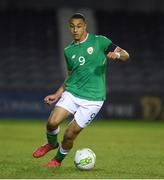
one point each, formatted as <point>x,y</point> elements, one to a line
<point>53,163</point>
<point>41,151</point>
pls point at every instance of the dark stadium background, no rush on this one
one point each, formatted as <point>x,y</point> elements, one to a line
<point>32,37</point>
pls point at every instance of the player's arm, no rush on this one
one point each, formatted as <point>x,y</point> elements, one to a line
<point>115,52</point>
<point>62,87</point>
<point>50,99</point>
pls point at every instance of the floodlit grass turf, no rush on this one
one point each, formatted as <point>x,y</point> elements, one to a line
<point>124,149</point>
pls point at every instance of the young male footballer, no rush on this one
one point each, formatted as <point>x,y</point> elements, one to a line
<point>83,92</point>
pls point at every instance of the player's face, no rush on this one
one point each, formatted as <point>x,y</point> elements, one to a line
<point>78,29</point>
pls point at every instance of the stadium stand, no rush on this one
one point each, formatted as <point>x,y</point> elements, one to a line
<point>29,58</point>
<point>141,35</point>
<point>29,50</point>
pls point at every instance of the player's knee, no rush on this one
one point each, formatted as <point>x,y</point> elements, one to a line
<point>51,125</point>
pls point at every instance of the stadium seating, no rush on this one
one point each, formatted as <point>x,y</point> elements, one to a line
<point>29,52</point>
<point>141,34</point>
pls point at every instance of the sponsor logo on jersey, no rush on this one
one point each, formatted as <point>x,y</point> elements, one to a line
<point>90,50</point>
<point>73,57</point>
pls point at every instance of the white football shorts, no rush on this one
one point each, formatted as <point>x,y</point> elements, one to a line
<point>83,110</point>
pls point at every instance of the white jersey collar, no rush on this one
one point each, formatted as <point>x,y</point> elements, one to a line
<point>83,40</point>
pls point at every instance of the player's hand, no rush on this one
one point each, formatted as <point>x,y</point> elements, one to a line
<point>118,49</point>
<point>115,54</point>
<point>112,55</point>
<point>50,99</point>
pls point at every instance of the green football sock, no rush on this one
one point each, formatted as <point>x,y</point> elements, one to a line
<point>61,154</point>
<point>52,139</point>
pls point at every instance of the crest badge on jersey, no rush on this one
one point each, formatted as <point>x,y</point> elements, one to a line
<point>90,50</point>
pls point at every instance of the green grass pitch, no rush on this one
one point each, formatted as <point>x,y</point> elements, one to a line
<point>124,149</point>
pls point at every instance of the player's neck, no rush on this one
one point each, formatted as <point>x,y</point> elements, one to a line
<point>83,38</point>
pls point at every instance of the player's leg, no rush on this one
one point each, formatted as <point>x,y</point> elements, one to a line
<point>85,111</point>
<point>70,135</point>
<point>55,118</point>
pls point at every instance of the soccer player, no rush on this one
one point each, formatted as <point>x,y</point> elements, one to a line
<point>83,92</point>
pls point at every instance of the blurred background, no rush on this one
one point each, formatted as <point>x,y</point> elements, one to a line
<point>33,34</point>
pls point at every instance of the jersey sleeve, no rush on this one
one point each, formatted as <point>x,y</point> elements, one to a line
<point>105,43</point>
<point>67,62</point>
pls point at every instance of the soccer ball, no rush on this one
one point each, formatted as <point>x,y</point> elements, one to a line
<point>84,159</point>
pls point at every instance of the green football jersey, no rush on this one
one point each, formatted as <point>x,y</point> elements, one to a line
<point>87,62</point>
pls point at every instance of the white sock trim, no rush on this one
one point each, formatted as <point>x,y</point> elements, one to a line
<point>56,131</point>
<point>63,151</point>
